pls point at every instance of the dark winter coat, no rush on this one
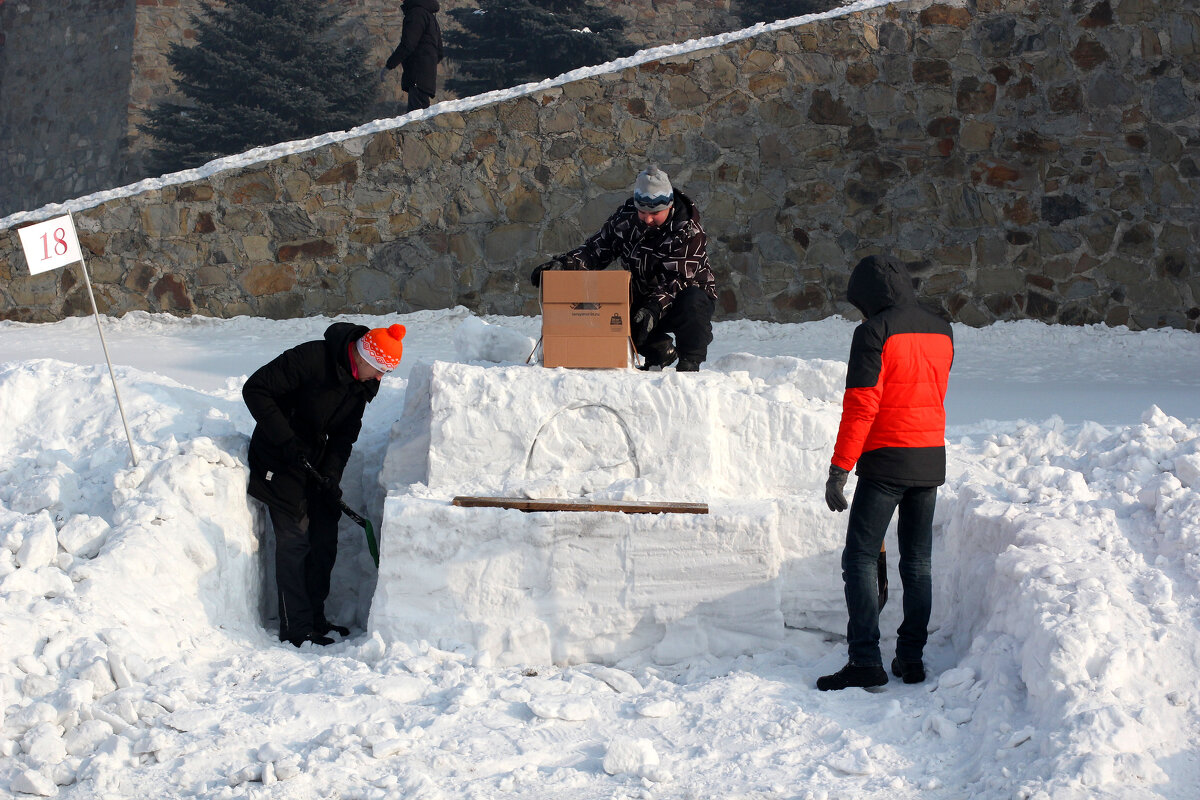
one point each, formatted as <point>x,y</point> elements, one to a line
<point>662,261</point>
<point>893,415</point>
<point>420,47</point>
<point>309,394</point>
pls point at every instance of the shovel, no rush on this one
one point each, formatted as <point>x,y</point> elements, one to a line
<point>359,519</point>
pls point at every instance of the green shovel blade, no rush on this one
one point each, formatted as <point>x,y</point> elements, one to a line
<point>372,545</point>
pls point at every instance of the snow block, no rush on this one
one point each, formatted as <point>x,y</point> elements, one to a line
<point>567,587</point>
<point>612,434</point>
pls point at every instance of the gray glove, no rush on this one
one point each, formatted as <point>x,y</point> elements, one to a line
<point>644,320</point>
<point>834,495</point>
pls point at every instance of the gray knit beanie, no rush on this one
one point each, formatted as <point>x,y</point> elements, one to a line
<point>652,190</point>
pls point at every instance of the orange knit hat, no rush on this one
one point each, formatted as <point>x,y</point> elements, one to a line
<point>382,347</point>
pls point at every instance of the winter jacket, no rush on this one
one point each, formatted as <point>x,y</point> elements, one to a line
<point>307,393</point>
<point>662,261</point>
<point>420,47</point>
<point>893,418</point>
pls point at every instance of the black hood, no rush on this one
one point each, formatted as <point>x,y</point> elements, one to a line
<point>431,5</point>
<point>338,338</point>
<point>880,282</point>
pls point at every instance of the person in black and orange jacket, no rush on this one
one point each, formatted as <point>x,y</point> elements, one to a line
<point>893,429</point>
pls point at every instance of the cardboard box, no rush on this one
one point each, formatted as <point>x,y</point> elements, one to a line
<point>585,318</point>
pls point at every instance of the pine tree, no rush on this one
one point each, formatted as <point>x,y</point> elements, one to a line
<point>506,43</point>
<point>754,11</point>
<point>261,72</point>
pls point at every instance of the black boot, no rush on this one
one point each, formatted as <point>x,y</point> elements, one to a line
<point>908,671</point>
<point>658,355</point>
<point>324,626</point>
<point>853,675</point>
<point>687,365</point>
<point>311,636</point>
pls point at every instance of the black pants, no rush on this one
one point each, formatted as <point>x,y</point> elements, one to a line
<point>305,550</point>
<point>417,99</point>
<point>690,319</point>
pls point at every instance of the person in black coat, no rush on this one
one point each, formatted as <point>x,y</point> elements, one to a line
<point>307,405</point>
<point>419,52</point>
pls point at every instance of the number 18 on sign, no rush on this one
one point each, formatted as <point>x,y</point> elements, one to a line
<point>51,244</point>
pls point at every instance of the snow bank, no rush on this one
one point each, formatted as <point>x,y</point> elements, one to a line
<point>750,438</point>
<point>81,521</point>
<point>108,570</point>
<point>1066,555</point>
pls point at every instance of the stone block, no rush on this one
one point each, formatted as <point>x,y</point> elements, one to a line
<point>265,279</point>
<point>523,204</point>
<point>932,71</point>
<point>250,187</point>
<point>1088,54</point>
<point>942,14</point>
<point>505,242</point>
<point>976,136</point>
<point>999,280</point>
<point>368,287</point>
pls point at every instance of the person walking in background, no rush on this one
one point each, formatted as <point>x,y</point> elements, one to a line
<point>893,428</point>
<point>657,234</point>
<point>307,405</point>
<point>419,52</point>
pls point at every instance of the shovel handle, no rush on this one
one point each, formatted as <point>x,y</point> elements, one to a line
<point>359,519</point>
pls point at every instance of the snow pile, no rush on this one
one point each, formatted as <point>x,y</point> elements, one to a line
<point>168,543</point>
<point>750,438</point>
<point>1070,552</point>
<point>106,571</point>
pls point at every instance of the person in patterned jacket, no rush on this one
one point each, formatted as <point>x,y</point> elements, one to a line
<point>893,429</point>
<point>657,235</point>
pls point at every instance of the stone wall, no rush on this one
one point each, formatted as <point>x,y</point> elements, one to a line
<point>1041,161</point>
<point>64,83</point>
<point>377,24</point>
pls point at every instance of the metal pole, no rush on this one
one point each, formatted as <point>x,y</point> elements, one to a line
<point>96,312</point>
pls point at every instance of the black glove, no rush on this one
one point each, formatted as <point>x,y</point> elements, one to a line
<point>644,320</point>
<point>330,488</point>
<point>536,277</point>
<point>297,453</point>
<point>834,497</point>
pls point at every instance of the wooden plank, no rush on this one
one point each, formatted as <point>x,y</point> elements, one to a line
<point>622,506</point>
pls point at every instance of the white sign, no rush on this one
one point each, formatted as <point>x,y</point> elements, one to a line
<point>51,244</point>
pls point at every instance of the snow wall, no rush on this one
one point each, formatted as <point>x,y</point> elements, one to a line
<point>751,438</point>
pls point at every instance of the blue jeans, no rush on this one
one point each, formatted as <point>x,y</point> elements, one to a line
<point>870,512</point>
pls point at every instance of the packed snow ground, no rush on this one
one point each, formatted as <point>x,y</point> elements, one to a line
<point>1064,660</point>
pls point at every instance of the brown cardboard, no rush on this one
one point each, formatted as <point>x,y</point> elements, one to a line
<point>585,318</point>
<point>585,351</point>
